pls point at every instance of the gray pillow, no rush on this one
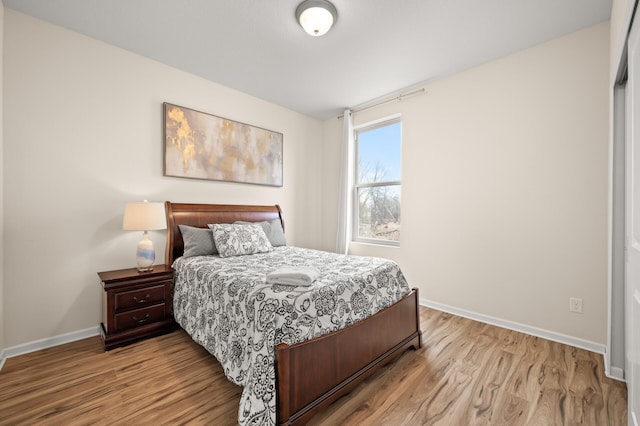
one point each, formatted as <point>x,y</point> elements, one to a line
<point>272,229</point>
<point>197,241</point>
<point>236,240</point>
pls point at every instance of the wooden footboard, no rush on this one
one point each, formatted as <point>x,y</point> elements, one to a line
<point>342,359</point>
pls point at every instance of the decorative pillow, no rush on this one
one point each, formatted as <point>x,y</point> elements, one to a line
<point>197,241</point>
<point>273,230</point>
<point>235,240</point>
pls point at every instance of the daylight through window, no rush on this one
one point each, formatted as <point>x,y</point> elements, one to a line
<point>378,182</point>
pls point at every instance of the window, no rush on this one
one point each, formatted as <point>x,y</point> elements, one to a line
<point>378,184</point>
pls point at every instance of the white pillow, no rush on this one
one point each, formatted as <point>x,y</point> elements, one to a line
<point>237,240</point>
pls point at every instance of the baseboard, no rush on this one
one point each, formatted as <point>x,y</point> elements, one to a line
<point>615,373</point>
<point>534,331</point>
<point>48,342</point>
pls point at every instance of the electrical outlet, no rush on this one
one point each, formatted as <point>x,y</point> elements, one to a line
<point>575,304</point>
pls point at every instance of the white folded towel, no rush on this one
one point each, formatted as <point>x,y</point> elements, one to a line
<point>294,276</point>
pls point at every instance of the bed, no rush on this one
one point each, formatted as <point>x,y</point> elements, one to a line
<point>345,357</point>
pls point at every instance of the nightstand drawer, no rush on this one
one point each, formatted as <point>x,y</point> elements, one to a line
<point>139,298</point>
<point>139,317</point>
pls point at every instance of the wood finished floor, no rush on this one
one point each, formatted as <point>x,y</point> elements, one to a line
<point>467,373</point>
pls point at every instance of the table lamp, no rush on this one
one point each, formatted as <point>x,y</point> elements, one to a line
<point>144,216</point>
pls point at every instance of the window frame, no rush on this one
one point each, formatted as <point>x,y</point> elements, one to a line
<point>372,125</point>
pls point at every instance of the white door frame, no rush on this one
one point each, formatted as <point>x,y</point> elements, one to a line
<point>632,226</point>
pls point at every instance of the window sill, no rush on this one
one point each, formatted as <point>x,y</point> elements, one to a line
<point>359,248</point>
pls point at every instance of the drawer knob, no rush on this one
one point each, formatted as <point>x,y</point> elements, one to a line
<point>142,320</point>
<point>143,300</point>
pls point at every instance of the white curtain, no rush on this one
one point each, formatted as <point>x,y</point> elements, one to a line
<point>345,203</point>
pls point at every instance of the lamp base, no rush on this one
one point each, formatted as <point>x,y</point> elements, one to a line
<point>145,254</point>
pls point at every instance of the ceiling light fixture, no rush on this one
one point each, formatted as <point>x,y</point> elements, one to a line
<point>316,16</point>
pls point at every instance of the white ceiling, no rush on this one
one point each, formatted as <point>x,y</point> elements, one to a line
<point>376,46</point>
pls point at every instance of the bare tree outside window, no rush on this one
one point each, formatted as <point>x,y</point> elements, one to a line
<point>378,185</point>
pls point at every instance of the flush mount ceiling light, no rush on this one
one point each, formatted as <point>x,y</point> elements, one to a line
<point>316,16</point>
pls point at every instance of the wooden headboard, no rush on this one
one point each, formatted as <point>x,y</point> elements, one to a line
<point>199,215</point>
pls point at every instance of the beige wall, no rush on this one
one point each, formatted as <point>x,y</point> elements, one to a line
<point>504,197</point>
<point>83,136</point>
<point>504,183</point>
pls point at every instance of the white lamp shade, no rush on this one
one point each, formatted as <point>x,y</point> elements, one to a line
<point>316,16</point>
<point>144,216</point>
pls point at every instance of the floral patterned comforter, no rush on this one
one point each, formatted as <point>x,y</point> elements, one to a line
<point>226,306</point>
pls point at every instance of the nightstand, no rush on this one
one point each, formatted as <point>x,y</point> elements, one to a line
<point>136,305</point>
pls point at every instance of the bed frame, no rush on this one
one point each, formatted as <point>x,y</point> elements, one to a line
<point>345,357</point>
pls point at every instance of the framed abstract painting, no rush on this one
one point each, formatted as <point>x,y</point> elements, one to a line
<point>198,145</point>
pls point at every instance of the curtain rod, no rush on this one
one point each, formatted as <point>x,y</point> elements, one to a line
<point>395,98</point>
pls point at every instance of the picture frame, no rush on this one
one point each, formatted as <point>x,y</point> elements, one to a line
<point>199,145</point>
